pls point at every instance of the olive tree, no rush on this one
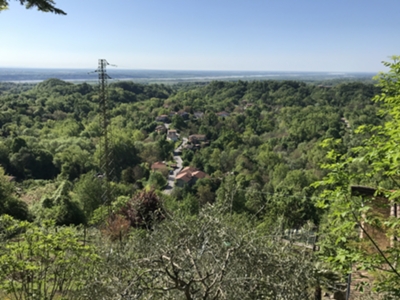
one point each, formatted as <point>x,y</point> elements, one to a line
<point>210,256</point>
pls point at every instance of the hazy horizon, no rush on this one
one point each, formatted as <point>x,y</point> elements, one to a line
<point>189,70</point>
<point>35,75</point>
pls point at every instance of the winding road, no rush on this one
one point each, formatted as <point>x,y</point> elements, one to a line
<point>179,162</point>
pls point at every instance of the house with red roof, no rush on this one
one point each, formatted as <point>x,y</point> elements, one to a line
<point>158,165</point>
<point>189,175</point>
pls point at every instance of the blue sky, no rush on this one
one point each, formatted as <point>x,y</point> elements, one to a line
<point>267,35</point>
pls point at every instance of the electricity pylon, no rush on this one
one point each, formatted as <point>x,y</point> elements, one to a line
<point>106,157</point>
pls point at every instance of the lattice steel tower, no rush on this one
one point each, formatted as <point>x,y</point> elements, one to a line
<point>106,159</point>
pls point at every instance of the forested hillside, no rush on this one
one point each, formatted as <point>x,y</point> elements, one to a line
<point>268,143</point>
<point>259,144</point>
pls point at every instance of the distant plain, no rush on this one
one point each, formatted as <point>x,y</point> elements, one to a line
<point>22,75</point>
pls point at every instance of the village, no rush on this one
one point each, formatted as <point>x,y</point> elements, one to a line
<point>177,174</point>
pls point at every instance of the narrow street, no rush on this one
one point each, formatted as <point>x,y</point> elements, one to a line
<point>179,162</point>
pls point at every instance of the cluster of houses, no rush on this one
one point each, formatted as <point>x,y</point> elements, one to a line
<point>166,118</point>
<point>187,176</point>
<point>195,140</point>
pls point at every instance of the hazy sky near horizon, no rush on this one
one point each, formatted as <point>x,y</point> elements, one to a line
<point>265,35</point>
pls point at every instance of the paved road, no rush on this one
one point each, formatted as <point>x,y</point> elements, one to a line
<point>179,162</point>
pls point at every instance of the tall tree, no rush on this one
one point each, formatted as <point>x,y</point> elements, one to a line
<point>376,164</point>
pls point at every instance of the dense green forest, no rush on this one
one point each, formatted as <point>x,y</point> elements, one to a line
<point>272,151</point>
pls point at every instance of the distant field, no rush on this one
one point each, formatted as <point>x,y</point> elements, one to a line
<point>170,77</point>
